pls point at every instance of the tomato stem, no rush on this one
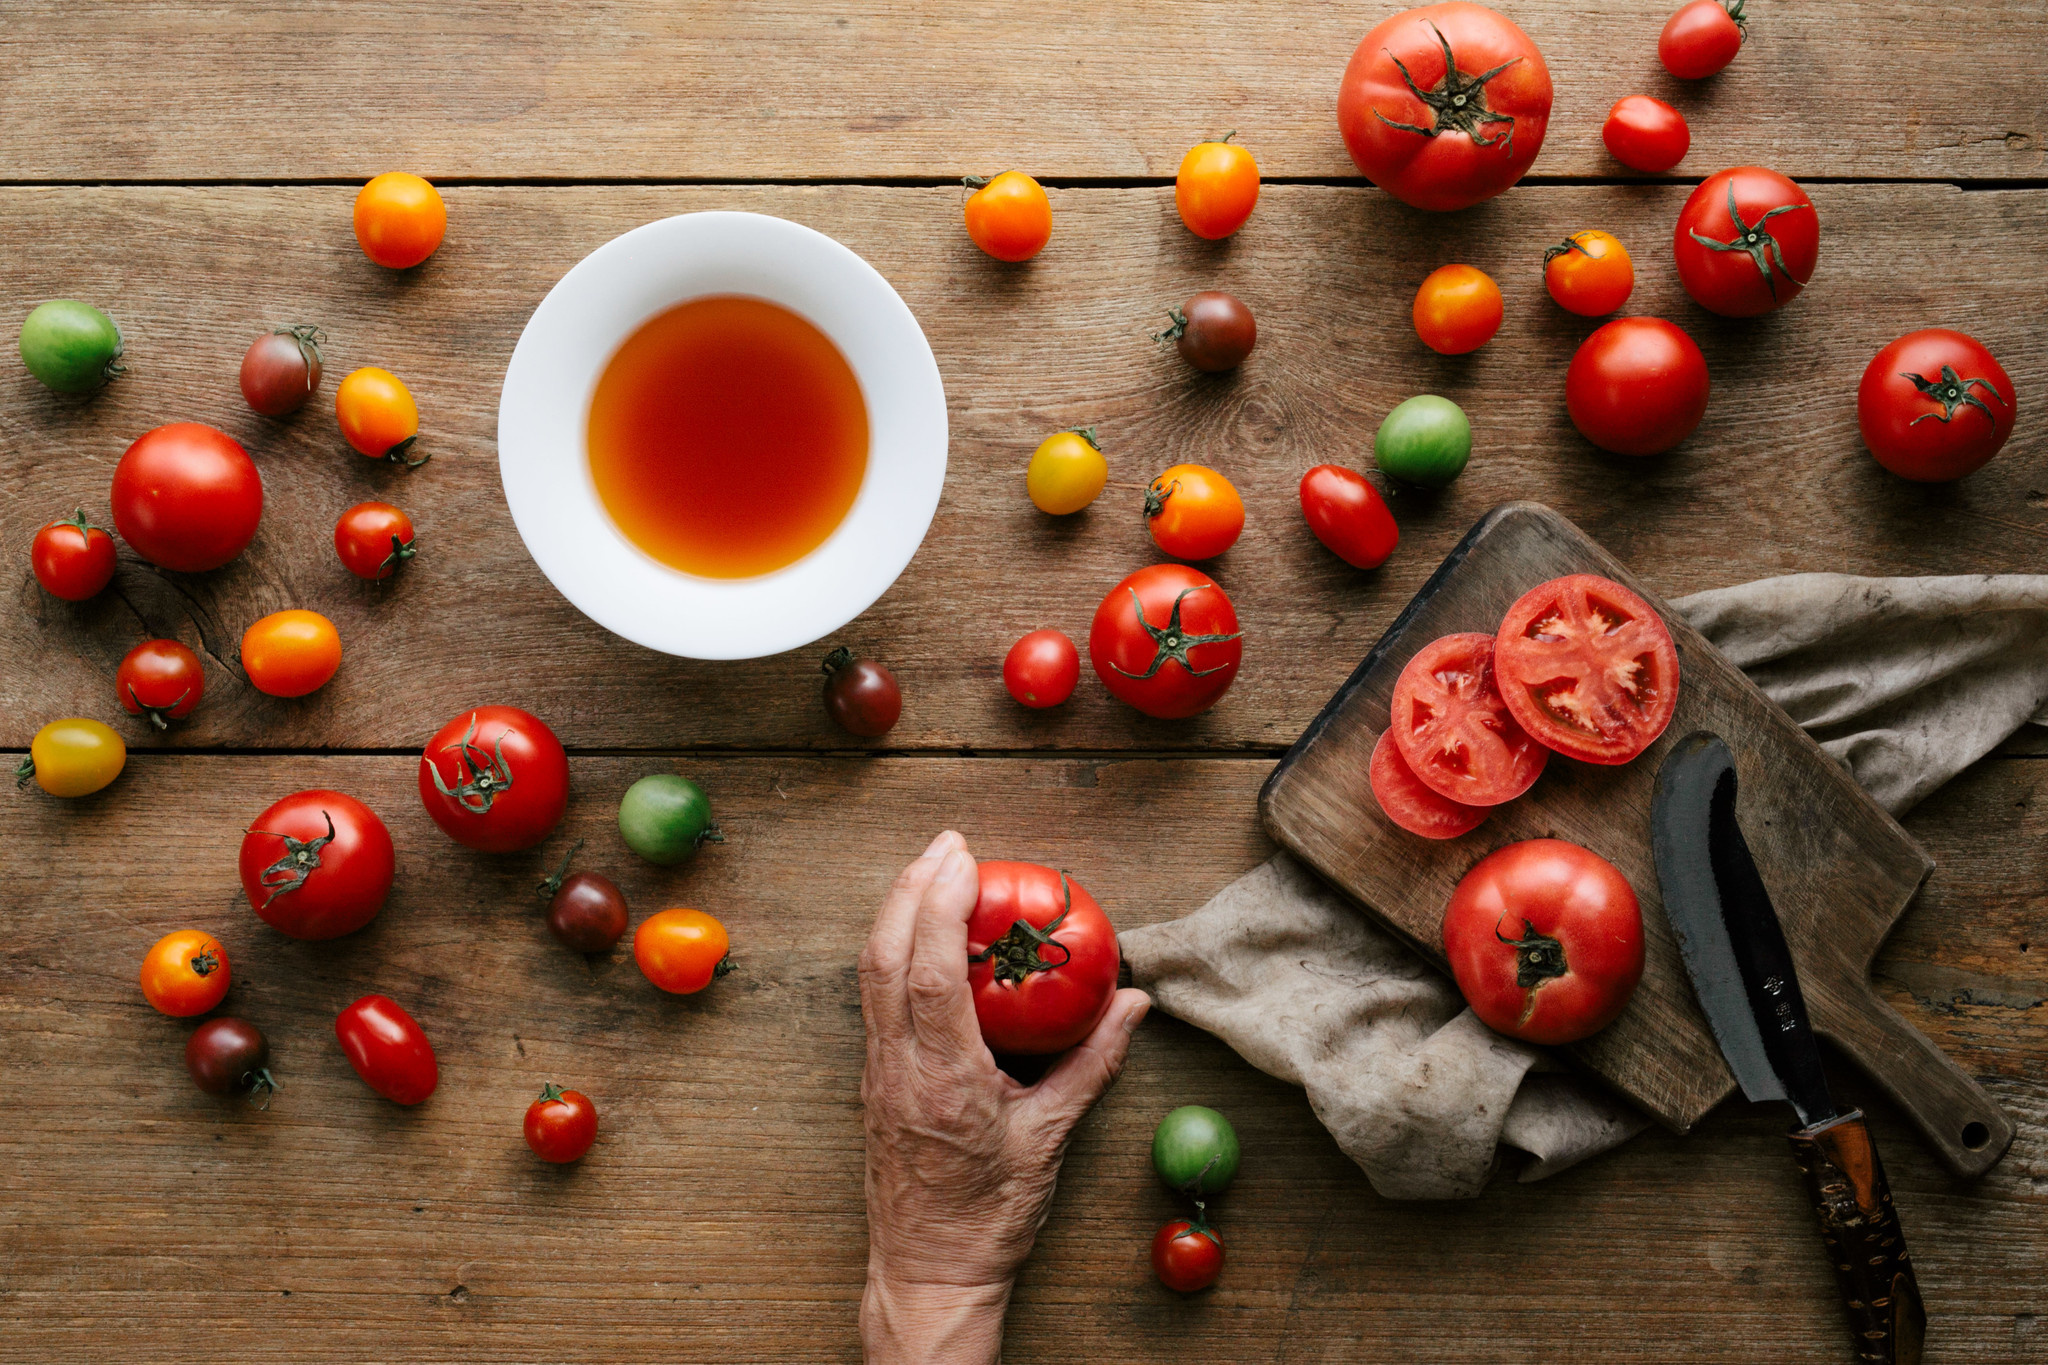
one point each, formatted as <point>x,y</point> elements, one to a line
<point>1951,391</point>
<point>397,454</point>
<point>1174,643</point>
<point>1538,957</point>
<point>1458,104</point>
<point>551,886</point>
<point>1754,239</point>
<point>485,783</point>
<point>1020,951</point>
<point>401,550</point>
<point>301,858</point>
<point>24,770</point>
<point>262,1085</point>
<point>1175,332</point>
<point>159,716</point>
<point>550,1092</point>
<point>725,967</point>
<point>1155,497</point>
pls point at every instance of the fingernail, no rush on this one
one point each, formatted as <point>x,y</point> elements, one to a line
<point>1136,1013</point>
<point>957,867</point>
<point>938,845</point>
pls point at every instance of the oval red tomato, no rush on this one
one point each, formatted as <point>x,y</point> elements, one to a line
<point>1166,641</point>
<point>1646,134</point>
<point>1637,386</point>
<point>1746,242</point>
<point>1935,405</point>
<point>1349,516</point>
<point>1546,941</point>
<point>1445,105</point>
<point>1588,668</point>
<point>72,559</point>
<point>187,497</point>
<point>495,778</point>
<point>1042,960</point>
<point>1701,38</point>
<point>317,865</point>
<point>160,679</point>
<point>1187,1256</point>
<point>388,1050</point>
<point>1041,669</point>
<point>1454,731</point>
<point>1411,804</point>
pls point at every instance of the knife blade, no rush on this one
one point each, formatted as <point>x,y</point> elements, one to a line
<point>1735,951</point>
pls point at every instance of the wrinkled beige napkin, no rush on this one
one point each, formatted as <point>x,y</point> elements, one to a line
<point>1906,680</point>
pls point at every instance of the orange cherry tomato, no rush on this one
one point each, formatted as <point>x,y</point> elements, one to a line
<point>1009,216</point>
<point>378,416</point>
<point>682,950</point>
<point>186,973</point>
<point>1217,187</point>
<point>1589,273</point>
<point>1457,309</point>
<point>1193,512</point>
<point>290,653</point>
<point>399,219</point>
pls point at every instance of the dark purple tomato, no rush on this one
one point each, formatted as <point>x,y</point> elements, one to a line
<point>586,910</point>
<point>229,1056</point>
<point>860,694</point>
<point>281,370</point>
<point>1213,331</point>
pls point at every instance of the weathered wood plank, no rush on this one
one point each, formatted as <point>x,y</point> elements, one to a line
<point>1775,481</point>
<point>720,1217</point>
<point>99,89</point>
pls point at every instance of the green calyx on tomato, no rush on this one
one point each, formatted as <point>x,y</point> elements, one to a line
<point>1020,952</point>
<point>551,884</point>
<point>550,1092</point>
<point>1538,957</point>
<point>1459,104</point>
<point>1155,497</point>
<point>1952,391</point>
<point>401,550</point>
<point>1173,642</point>
<point>1178,330</point>
<point>158,715</point>
<point>486,782</point>
<point>1564,248</point>
<point>1756,240</point>
<point>301,858</point>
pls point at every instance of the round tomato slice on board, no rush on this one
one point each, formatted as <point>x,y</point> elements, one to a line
<point>1413,806</point>
<point>1587,668</point>
<point>1453,730</point>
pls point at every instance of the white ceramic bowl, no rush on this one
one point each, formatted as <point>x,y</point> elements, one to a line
<point>543,417</point>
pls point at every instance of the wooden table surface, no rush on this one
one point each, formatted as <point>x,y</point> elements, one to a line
<point>189,167</point>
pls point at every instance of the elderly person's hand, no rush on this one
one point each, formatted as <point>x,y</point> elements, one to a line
<point>961,1158</point>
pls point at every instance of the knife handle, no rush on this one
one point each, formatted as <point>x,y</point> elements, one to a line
<point>1845,1180</point>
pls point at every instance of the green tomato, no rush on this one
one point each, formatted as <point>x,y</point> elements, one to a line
<point>1194,1149</point>
<point>664,817</point>
<point>72,347</point>
<point>1425,440</point>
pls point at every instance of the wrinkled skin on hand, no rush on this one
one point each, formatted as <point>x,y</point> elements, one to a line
<point>961,1159</point>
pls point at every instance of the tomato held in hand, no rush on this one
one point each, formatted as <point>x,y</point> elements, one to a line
<point>1746,242</point>
<point>1445,105</point>
<point>1213,331</point>
<point>378,416</point>
<point>1008,215</point>
<point>1457,309</point>
<point>1041,960</point>
<point>1041,669</point>
<point>682,951</point>
<point>1588,668</point>
<point>1409,803</point>
<point>160,679</point>
<point>1546,941</point>
<point>561,1124</point>
<point>399,219</point>
<point>1187,1256</point>
<point>1637,386</point>
<point>1067,472</point>
<point>187,497</point>
<point>1166,641</point>
<point>1216,187</point>
<point>1646,134</point>
<point>374,539</point>
<point>74,757</point>
<point>861,696</point>
<point>1193,512</point>
<point>281,370</point>
<point>1935,405</point>
<point>495,778</point>
<point>1454,730</point>
<point>291,653</point>
<point>73,559</point>
<point>186,973</point>
<point>230,1056</point>
<point>1195,1151</point>
<point>388,1050</point>
<point>1348,516</point>
<point>1702,38</point>
<point>317,864</point>
<point>1589,273</point>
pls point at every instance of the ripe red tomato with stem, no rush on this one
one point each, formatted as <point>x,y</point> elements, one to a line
<point>187,497</point>
<point>561,1124</point>
<point>73,559</point>
<point>1588,668</point>
<point>1637,386</point>
<point>317,864</point>
<point>230,1056</point>
<point>1166,641</point>
<point>1589,273</point>
<point>1042,668</point>
<point>1702,37</point>
<point>586,910</point>
<point>495,778</point>
<point>1445,105</point>
<point>1646,134</point>
<point>374,539</point>
<point>1187,1255</point>
<point>1193,512</point>
<point>1545,939</point>
<point>281,370</point>
<point>1453,729</point>
<point>161,679</point>
<point>1746,242</point>
<point>1410,803</point>
<point>1935,405</point>
<point>388,1049</point>
<point>1042,960</point>
<point>1348,515</point>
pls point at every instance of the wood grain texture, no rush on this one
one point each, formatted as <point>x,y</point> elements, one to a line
<point>123,89</point>
<point>720,1216</point>
<point>1775,481</point>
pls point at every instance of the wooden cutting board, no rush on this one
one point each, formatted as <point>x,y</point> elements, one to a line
<point>1840,870</point>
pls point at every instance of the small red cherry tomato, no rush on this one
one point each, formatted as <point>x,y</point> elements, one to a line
<point>1009,216</point>
<point>73,559</point>
<point>1457,309</point>
<point>1935,405</point>
<point>281,370</point>
<point>1041,669</point>
<point>1348,515</point>
<point>1216,188</point>
<point>373,539</point>
<point>1187,1256</point>
<point>561,1124</point>
<point>186,973</point>
<point>160,679</point>
<point>388,1050</point>
<point>495,778</point>
<point>1646,134</point>
<point>1702,38</point>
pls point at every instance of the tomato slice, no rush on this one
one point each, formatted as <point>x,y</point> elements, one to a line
<point>1587,668</point>
<point>1411,805</point>
<point>1454,730</point>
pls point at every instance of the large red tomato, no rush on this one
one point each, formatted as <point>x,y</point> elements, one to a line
<point>317,865</point>
<point>495,778</point>
<point>1746,242</point>
<point>1166,641</point>
<point>187,497</point>
<point>1546,941</point>
<point>1637,386</point>
<point>1935,405</point>
<point>1588,668</point>
<point>1042,960</point>
<point>1454,731</point>
<point>1445,105</point>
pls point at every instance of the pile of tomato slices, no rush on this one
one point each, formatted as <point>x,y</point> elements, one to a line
<point>1580,666</point>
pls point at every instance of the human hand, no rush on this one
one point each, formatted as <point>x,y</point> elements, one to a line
<point>961,1159</point>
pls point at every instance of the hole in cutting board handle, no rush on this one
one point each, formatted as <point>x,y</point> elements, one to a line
<point>1975,1135</point>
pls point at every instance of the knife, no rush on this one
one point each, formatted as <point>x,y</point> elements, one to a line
<point>1735,951</point>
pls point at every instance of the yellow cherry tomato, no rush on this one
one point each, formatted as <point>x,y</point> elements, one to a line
<point>1067,472</point>
<point>682,951</point>
<point>1009,216</point>
<point>399,219</point>
<point>73,758</point>
<point>378,416</point>
<point>1217,187</point>
<point>291,653</point>
<point>186,973</point>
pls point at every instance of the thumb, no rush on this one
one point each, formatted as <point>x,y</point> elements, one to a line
<point>1090,1067</point>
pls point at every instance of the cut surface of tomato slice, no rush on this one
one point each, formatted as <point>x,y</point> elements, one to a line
<point>1410,804</point>
<point>1450,724</point>
<point>1587,668</point>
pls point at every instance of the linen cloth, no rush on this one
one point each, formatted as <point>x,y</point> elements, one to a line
<point>1907,681</point>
